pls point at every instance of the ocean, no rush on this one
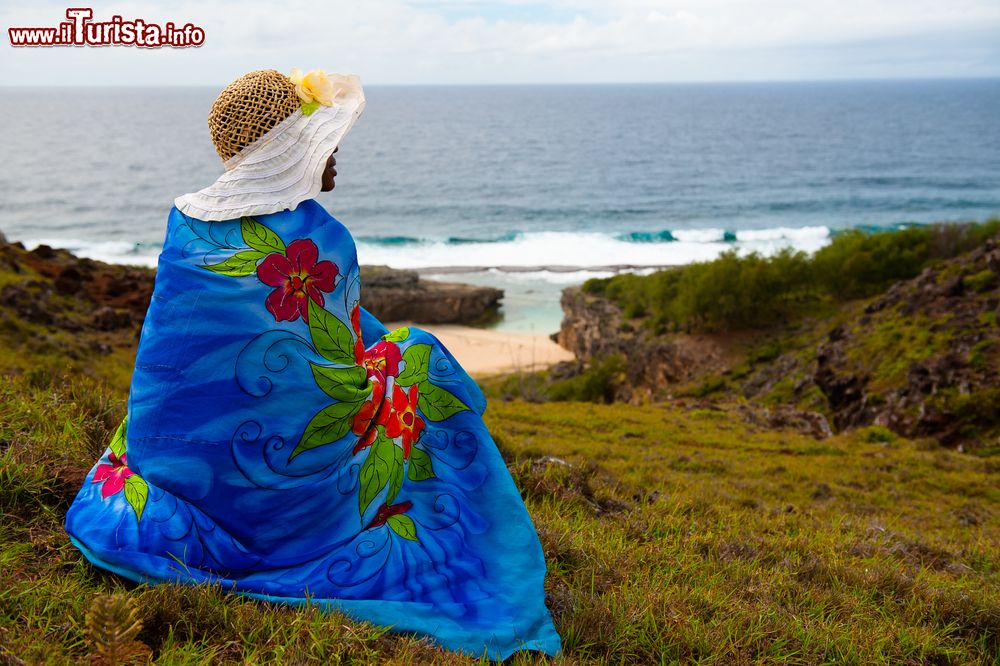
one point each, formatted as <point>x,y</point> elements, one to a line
<point>532,188</point>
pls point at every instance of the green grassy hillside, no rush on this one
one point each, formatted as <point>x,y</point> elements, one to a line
<point>671,533</point>
<point>675,533</point>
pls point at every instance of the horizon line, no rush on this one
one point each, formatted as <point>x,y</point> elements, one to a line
<point>886,79</point>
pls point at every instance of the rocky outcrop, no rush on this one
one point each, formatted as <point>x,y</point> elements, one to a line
<point>783,417</point>
<point>594,328</point>
<point>921,359</point>
<point>944,391</point>
<point>399,295</point>
<point>108,297</point>
<point>73,294</point>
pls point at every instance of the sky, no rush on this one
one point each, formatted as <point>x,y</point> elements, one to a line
<point>524,41</point>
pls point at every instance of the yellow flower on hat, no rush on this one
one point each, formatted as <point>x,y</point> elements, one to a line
<point>313,88</point>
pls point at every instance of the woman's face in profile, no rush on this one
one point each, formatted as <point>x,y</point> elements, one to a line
<point>330,172</point>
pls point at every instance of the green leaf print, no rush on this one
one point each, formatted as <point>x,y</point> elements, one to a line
<point>396,475</point>
<point>437,403</point>
<point>403,526</point>
<point>332,338</point>
<point>240,264</point>
<point>136,492</point>
<point>397,335</point>
<point>420,467</point>
<point>345,384</point>
<point>327,426</point>
<point>260,237</point>
<point>417,358</point>
<point>117,445</point>
<point>379,468</point>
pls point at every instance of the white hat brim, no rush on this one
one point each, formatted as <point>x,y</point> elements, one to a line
<point>281,169</point>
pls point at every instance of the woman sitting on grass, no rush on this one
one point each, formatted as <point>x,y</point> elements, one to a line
<point>279,440</point>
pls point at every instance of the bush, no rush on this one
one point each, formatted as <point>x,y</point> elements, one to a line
<point>595,384</point>
<point>736,292</point>
<point>878,435</point>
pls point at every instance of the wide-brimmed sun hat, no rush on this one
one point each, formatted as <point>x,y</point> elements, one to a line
<point>274,134</point>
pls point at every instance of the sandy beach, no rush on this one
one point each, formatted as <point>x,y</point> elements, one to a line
<point>486,352</point>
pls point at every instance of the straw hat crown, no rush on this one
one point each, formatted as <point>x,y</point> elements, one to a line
<point>249,107</point>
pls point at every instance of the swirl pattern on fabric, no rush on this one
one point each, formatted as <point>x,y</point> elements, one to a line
<point>282,442</point>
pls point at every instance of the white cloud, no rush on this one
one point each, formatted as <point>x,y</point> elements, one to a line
<point>391,41</point>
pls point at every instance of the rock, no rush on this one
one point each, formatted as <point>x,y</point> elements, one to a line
<point>565,370</point>
<point>9,259</point>
<point>383,277</point>
<point>953,287</point>
<point>765,379</point>
<point>852,366</point>
<point>70,281</point>
<point>399,295</point>
<point>813,424</point>
<point>108,319</point>
<point>592,329</point>
<point>545,461</point>
<point>28,301</point>
<point>993,261</point>
<point>590,326</point>
<point>929,376</point>
<point>44,252</point>
<point>115,292</point>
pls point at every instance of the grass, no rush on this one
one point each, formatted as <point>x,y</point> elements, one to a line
<point>671,534</point>
<point>681,535</point>
<point>888,348</point>
<point>674,532</point>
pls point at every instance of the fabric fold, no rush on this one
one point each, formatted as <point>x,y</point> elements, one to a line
<point>282,442</point>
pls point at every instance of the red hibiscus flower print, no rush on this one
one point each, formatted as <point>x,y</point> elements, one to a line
<point>383,358</point>
<point>359,345</point>
<point>387,511</point>
<point>297,277</point>
<point>374,412</point>
<point>403,419</point>
<point>112,477</point>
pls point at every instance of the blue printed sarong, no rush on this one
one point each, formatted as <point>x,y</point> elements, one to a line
<point>281,442</point>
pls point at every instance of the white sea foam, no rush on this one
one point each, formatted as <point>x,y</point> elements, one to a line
<point>784,233</point>
<point>699,235</point>
<point>586,250</point>
<point>553,256</point>
<point>112,252</point>
<point>524,278</point>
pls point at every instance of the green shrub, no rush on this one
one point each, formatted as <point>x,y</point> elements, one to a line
<point>981,281</point>
<point>765,353</point>
<point>595,384</point>
<point>979,408</point>
<point>878,435</point>
<point>736,292</point>
<point>713,384</point>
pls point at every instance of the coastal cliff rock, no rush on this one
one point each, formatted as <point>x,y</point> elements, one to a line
<point>72,293</point>
<point>400,295</point>
<point>594,328</point>
<point>922,359</point>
